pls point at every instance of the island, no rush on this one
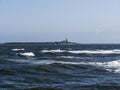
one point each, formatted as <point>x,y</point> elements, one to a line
<point>63,42</point>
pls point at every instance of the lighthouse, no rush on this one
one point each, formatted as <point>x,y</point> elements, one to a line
<point>66,40</point>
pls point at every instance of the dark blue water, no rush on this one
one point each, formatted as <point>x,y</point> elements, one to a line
<point>59,67</point>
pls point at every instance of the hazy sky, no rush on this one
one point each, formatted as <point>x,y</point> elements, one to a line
<point>83,21</point>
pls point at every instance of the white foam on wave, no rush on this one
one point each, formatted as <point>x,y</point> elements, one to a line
<point>112,66</point>
<point>28,54</point>
<point>16,49</point>
<point>69,57</point>
<point>114,51</point>
<point>31,61</point>
<point>53,51</point>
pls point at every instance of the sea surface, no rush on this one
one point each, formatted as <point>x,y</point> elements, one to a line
<point>59,67</point>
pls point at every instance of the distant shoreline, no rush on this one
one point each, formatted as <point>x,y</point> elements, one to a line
<point>55,42</point>
<point>61,42</point>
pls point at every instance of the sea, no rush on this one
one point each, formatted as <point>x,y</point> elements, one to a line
<point>54,66</point>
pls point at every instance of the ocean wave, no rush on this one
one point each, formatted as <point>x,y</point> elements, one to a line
<point>52,51</point>
<point>114,51</point>
<point>115,63</point>
<point>112,66</point>
<point>69,57</point>
<point>29,54</point>
<point>44,62</point>
<point>16,49</point>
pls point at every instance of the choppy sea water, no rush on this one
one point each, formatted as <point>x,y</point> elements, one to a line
<point>60,67</point>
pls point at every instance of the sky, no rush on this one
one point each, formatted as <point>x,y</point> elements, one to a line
<point>82,21</point>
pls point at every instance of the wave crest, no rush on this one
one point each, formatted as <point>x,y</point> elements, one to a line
<point>115,51</point>
<point>27,54</point>
<point>16,49</point>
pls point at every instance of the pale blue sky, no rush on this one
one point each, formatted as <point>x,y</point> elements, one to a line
<point>82,21</point>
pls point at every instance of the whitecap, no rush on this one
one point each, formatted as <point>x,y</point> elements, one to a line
<point>115,51</point>
<point>53,51</point>
<point>16,49</point>
<point>69,57</point>
<point>27,54</point>
<point>111,66</point>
